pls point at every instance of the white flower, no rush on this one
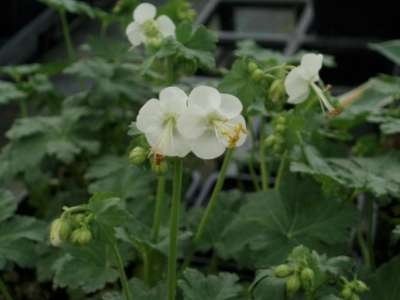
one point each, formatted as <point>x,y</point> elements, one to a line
<point>145,28</point>
<point>157,119</point>
<point>212,122</point>
<point>301,79</point>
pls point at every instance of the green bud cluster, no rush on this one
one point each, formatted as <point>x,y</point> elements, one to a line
<point>186,12</point>
<point>255,72</point>
<point>277,92</point>
<point>73,228</point>
<point>276,140</point>
<point>297,277</point>
<point>352,289</point>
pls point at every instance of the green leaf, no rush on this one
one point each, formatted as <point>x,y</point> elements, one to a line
<point>143,292</point>
<point>374,174</point>
<point>385,283</point>
<point>270,224</point>
<point>239,83</point>
<point>390,49</point>
<point>88,268</point>
<point>196,286</point>
<point>18,238</point>
<point>114,174</point>
<point>9,92</point>
<point>8,205</point>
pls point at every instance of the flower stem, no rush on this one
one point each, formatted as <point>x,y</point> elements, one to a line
<point>146,266</point>
<point>252,171</point>
<point>263,166</point>
<point>67,34</point>
<point>281,170</point>
<point>213,199</point>
<point>120,265</point>
<point>4,291</point>
<point>173,228</point>
<point>157,211</point>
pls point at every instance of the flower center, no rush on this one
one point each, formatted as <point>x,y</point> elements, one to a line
<point>229,131</point>
<point>150,29</point>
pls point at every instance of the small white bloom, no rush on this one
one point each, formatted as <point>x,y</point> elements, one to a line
<point>145,28</point>
<point>301,79</point>
<point>157,119</point>
<point>212,122</point>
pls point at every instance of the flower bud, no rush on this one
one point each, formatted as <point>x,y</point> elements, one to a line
<point>355,297</point>
<point>346,293</point>
<point>81,236</point>
<point>307,277</point>
<point>292,284</point>
<point>154,42</point>
<point>137,155</point>
<point>55,238</point>
<point>270,141</point>
<point>360,286</point>
<point>280,119</point>
<point>257,75</point>
<point>65,228</point>
<point>252,66</point>
<point>160,167</point>
<point>277,90</point>
<point>282,271</point>
<point>280,128</point>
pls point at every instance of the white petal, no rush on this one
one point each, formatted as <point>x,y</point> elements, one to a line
<point>230,106</point>
<point>311,64</point>
<point>144,12</point>
<point>173,100</point>
<point>134,34</point>
<point>150,116</point>
<point>207,146</point>
<point>192,123</point>
<point>168,143</point>
<point>208,98</point>
<point>296,86</point>
<point>166,26</point>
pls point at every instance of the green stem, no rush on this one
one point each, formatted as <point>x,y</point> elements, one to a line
<point>252,171</point>
<point>263,166</point>
<point>146,266</point>
<point>120,265</point>
<point>67,34</point>
<point>4,291</point>
<point>173,230</point>
<point>23,108</point>
<point>281,170</point>
<point>213,199</point>
<point>370,215</point>
<point>157,211</point>
<point>364,248</point>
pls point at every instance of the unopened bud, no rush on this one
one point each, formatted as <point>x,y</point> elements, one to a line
<point>280,128</point>
<point>159,167</point>
<point>346,293</point>
<point>360,286</point>
<point>283,271</point>
<point>138,155</point>
<point>81,236</point>
<point>252,66</point>
<point>307,277</point>
<point>280,119</point>
<point>270,141</point>
<point>277,90</point>
<point>55,238</point>
<point>292,284</point>
<point>257,75</point>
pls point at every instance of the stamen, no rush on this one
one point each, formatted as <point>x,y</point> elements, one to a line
<point>229,131</point>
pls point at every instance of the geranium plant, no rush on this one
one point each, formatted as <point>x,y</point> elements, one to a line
<point>96,198</point>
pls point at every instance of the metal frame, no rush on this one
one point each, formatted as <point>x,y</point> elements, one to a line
<point>288,43</point>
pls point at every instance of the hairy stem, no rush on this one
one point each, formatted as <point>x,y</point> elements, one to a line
<point>173,228</point>
<point>157,211</point>
<point>67,34</point>
<point>214,196</point>
<point>281,170</point>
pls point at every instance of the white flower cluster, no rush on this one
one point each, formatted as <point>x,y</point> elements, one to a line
<point>146,29</point>
<point>206,122</point>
